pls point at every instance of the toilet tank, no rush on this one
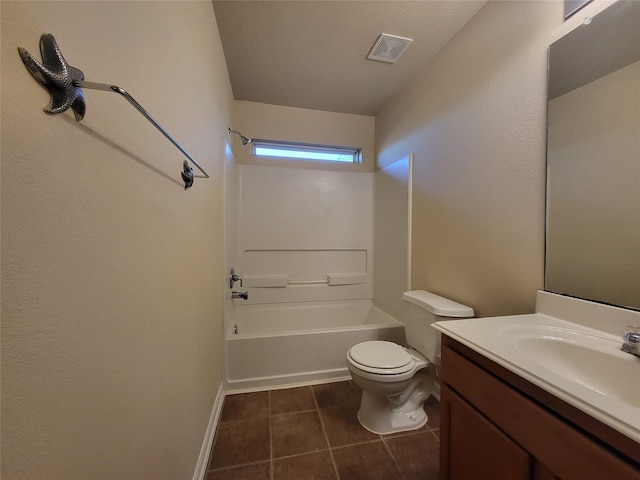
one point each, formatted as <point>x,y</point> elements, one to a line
<point>420,310</point>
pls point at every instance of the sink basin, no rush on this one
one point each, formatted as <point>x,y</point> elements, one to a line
<point>581,365</point>
<point>595,362</point>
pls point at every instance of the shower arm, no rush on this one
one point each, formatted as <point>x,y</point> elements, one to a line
<point>105,87</point>
<point>244,139</point>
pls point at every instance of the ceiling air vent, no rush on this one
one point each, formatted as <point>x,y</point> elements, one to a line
<point>388,48</point>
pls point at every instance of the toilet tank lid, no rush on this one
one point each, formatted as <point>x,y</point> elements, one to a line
<point>437,305</point>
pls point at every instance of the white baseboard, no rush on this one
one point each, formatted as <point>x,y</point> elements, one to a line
<point>203,459</point>
<point>285,381</point>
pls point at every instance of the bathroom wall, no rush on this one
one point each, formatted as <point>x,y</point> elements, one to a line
<point>112,290</point>
<point>475,121</point>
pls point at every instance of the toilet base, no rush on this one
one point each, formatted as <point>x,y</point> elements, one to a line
<point>383,415</point>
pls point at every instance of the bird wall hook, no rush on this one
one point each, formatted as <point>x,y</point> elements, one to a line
<point>64,83</point>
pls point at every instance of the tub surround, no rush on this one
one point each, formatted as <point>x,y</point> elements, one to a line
<point>304,235</point>
<point>567,357</point>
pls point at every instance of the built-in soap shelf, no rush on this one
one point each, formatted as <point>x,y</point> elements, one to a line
<point>346,278</point>
<point>282,280</point>
<point>266,281</point>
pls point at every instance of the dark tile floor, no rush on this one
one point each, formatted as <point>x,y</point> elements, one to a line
<point>312,433</point>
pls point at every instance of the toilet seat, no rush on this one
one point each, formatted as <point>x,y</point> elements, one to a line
<point>381,357</point>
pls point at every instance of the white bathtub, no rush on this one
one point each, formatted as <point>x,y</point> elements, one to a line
<point>297,343</point>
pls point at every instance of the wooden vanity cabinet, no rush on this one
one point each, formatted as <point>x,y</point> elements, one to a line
<point>496,425</point>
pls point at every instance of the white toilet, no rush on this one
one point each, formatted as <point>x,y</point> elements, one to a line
<point>396,380</point>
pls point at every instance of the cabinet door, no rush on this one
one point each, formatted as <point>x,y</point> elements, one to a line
<point>473,448</point>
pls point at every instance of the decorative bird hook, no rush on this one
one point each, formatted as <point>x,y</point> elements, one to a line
<point>64,83</point>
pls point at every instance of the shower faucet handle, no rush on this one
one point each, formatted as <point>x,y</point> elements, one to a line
<point>233,278</point>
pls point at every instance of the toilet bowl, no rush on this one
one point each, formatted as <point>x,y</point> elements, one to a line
<point>396,380</point>
<point>394,383</point>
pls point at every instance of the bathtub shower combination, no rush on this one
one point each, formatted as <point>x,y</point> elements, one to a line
<point>292,343</point>
<point>303,292</point>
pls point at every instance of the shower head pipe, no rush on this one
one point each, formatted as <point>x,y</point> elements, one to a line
<point>244,139</point>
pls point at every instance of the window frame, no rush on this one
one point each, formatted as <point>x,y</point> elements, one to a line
<point>354,153</point>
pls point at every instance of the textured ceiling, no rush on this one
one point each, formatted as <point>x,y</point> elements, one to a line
<point>312,54</point>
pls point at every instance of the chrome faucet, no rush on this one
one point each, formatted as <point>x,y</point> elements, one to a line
<point>632,340</point>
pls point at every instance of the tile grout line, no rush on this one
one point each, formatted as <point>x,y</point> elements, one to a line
<point>270,439</point>
<point>293,455</point>
<point>395,462</point>
<point>232,467</point>
<point>366,442</point>
<point>324,430</point>
<point>285,414</point>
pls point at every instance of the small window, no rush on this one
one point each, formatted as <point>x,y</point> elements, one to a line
<point>304,151</point>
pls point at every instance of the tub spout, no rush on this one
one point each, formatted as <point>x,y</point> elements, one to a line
<point>243,295</point>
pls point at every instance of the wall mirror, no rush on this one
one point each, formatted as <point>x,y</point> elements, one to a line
<point>593,160</point>
<point>572,6</point>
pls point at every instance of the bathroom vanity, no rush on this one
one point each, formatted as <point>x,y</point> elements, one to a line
<point>539,397</point>
<point>497,425</point>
